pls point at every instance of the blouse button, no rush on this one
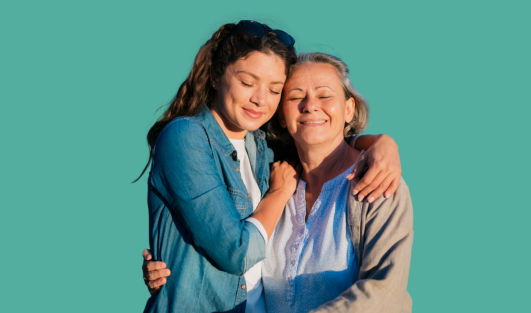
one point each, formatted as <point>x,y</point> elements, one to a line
<point>243,286</point>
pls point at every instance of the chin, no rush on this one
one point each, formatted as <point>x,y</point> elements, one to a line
<point>251,126</point>
<point>308,140</point>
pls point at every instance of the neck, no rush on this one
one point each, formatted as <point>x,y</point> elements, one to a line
<point>321,162</point>
<point>228,128</point>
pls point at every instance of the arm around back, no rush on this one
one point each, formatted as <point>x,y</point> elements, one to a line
<point>382,234</point>
<point>187,179</point>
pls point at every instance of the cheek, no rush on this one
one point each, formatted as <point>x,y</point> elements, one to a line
<point>335,111</point>
<point>291,122</point>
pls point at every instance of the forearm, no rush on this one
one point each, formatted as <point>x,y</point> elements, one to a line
<point>364,142</point>
<point>191,188</point>
<point>270,210</point>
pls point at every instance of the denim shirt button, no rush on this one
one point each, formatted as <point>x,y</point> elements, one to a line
<point>259,180</point>
<point>249,196</point>
<point>260,151</point>
<point>243,286</point>
<point>237,170</point>
<point>234,156</point>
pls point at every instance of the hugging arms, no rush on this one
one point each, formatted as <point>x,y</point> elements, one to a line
<point>210,170</point>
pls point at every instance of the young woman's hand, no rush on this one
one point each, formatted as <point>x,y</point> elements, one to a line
<point>381,162</point>
<point>155,273</point>
<point>284,177</point>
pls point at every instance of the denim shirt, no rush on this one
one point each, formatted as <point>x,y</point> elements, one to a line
<point>197,206</point>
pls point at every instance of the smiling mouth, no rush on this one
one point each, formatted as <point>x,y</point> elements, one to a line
<point>252,113</point>
<point>313,122</point>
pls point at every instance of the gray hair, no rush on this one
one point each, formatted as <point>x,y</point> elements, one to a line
<point>361,113</point>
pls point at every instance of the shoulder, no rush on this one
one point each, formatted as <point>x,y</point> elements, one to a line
<point>182,125</point>
<point>182,133</point>
<point>398,206</point>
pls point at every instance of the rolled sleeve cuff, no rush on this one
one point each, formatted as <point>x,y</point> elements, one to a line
<point>258,225</point>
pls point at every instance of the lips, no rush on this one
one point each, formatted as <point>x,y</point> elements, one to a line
<point>313,122</point>
<point>253,113</point>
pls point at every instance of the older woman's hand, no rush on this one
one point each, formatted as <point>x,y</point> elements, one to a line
<point>155,273</point>
<point>382,162</point>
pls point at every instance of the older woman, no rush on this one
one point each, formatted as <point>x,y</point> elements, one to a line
<point>332,250</point>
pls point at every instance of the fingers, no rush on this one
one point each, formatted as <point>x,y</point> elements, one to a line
<point>147,255</point>
<point>367,179</point>
<point>393,187</point>
<point>380,189</point>
<point>155,275</point>
<point>275,165</point>
<point>154,286</point>
<point>371,183</point>
<point>149,266</point>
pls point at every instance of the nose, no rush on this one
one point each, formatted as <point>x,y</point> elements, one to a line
<point>308,105</point>
<point>259,96</point>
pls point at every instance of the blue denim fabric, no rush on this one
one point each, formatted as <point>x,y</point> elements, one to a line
<point>197,206</point>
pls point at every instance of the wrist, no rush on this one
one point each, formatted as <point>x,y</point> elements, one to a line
<point>383,138</point>
<point>280,193</point>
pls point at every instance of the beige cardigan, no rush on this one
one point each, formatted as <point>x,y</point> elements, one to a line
<point>382,235</point>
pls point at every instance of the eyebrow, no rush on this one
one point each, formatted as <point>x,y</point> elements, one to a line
<point>300,89</point>
<point>257,78</point>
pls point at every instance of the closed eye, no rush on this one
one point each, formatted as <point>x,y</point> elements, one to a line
<point>247,85</point>
<point>275,92</point>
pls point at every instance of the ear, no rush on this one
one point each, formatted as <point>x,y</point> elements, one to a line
<point>214,81</point>
<point>350,109</point>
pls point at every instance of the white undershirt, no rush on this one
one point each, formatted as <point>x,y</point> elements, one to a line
<point>253,277</point>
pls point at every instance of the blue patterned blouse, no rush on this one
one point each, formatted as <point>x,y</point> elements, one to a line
<point>309,264</point>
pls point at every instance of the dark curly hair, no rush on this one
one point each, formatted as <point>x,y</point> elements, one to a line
<point>227,45</point>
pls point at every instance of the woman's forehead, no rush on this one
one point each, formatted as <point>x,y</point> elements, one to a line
<point>314,74</point>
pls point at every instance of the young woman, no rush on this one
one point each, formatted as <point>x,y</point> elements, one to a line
<point>210,172</point>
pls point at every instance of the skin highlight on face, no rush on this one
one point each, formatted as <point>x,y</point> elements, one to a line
<point>248,93</point>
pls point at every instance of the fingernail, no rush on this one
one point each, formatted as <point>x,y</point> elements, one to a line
<point>371,199</point>
<point>355,192</point>
<point>387,195</point>
<point>349,176</point>
<point>360,197</point>
<point>167,272</point>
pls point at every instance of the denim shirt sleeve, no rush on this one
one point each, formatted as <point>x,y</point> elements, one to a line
<point>185,175</point>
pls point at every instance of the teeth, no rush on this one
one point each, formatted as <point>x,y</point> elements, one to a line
<point>319,122</point>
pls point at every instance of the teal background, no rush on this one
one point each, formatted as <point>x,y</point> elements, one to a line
<point>80,83</point>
